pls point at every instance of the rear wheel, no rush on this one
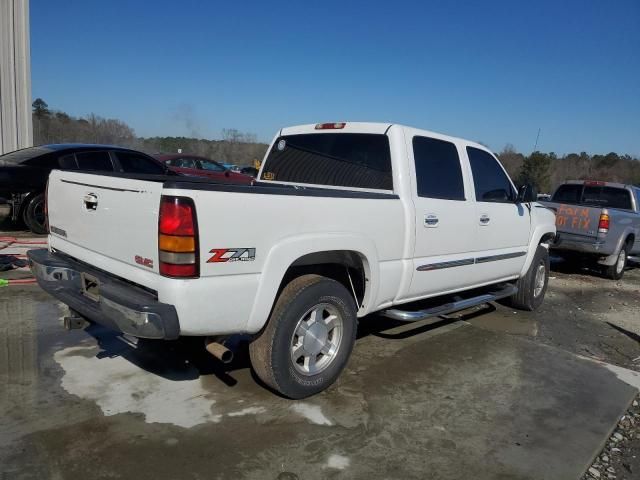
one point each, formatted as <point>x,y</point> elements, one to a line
<point>616,271</point>
<point>533,285</point>
<point>33,214</point>
<point>308,338</point>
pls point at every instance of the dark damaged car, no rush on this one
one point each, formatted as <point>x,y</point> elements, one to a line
<point>24,174</point>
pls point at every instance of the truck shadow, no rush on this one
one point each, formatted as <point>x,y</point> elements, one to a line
<point>186,358</point>
<point>583,267</point>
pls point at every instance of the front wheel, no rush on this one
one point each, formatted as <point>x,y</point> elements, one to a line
<point>533,285</point>
<point>308,338</point>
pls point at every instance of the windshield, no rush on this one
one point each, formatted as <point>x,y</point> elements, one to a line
<point>20,156</point>
<point>358,160</point>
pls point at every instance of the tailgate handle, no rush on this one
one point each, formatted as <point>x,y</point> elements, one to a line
<point>91,201</point>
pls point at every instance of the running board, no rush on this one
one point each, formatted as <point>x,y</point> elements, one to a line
<point>634,258</point>
<point>451,307</point>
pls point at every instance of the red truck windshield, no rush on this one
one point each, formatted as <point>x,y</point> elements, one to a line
<point>593,196</point>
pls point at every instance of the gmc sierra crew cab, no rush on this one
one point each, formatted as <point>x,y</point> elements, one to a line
<point>345,219</point>
<point>598,221</point>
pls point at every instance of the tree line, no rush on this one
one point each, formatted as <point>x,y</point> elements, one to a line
<point>53,126</point>
<point>547,170</point>
<point>544,170</point>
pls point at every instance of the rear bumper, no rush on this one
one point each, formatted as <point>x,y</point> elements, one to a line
<point>120,305</point>
<point>564,241</point>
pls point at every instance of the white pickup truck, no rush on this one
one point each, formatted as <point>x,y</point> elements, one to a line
<point>346,219</point>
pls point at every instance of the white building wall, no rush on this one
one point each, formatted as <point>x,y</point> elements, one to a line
<point>16,130</point>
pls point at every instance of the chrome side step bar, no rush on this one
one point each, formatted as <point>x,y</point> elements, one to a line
<point>451,307</point>
<point>634,258</point>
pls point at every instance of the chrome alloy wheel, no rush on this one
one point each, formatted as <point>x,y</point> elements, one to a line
<point>622,260</point>
<point>538,284</point>
<point>316,339</point>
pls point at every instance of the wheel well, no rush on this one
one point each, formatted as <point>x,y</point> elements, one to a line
<point>630,240</point>
<point>547,237</point>
<point>344,266</point>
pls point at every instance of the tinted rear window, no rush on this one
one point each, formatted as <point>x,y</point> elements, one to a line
<point>136,163</point>
<point>569,193</point>
<point>23,156</point>
<point>593,196</point>
<point>94,161</point>
<point>607,197</point>
<point>358,160</point>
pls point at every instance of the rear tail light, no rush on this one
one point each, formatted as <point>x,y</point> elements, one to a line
<point>330,126</point>
<point>178,238</point>
<point>603,223</point>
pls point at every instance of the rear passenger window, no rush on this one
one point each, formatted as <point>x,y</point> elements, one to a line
<point>94,161</point>
<point>68,162</point>
<point>183,163</point>
<point>357,160</point>
<point>490,181</point>
<point>438,172</point>
<point>136,163</point>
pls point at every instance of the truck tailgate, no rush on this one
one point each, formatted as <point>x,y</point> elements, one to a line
<point>576,219</point>
<point>94,217</point>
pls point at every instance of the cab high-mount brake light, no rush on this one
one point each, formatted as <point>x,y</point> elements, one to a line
<point>330,126</point>
<point>178,238</point>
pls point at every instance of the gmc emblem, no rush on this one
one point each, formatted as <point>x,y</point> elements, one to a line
<point>145,262</point>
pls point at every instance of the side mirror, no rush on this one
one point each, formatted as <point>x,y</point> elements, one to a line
<point>527,193</point>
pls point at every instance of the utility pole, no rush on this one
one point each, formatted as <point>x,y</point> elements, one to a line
<point>16,130</point>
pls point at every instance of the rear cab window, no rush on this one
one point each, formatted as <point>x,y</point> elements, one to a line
<point>568,193</point>
<point>355,160</point>
<point>610,197</point>
<point>594,196</point>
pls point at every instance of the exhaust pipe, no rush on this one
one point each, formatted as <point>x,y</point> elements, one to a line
<point>74,321</point>
<point>218,350</point>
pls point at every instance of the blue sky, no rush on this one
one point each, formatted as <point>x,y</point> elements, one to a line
<point>488,71</point>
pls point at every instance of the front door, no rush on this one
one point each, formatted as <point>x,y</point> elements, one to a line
<point>502,225</point>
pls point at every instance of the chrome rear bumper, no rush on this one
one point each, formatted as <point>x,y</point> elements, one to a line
<point>116,304</point>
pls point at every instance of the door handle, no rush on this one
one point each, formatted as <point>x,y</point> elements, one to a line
<point>431,220</point>
<point>90,201</point>
<point>485,219</point>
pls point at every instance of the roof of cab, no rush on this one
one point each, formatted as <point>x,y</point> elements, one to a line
<point>375,128</point>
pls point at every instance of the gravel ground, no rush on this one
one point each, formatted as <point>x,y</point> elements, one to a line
<point>620,459</point>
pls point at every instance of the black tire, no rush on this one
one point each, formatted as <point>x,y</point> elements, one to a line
<point>272,350</point>
<point>616,271</point>
<point>529,297</point>
<point>33,214</point>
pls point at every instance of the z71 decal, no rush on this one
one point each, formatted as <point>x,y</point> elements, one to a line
<point>232,255</point>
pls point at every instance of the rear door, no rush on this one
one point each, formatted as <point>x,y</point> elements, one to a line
<point>502,226</point>
<point>445,227</point>
<point>100,219</point>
